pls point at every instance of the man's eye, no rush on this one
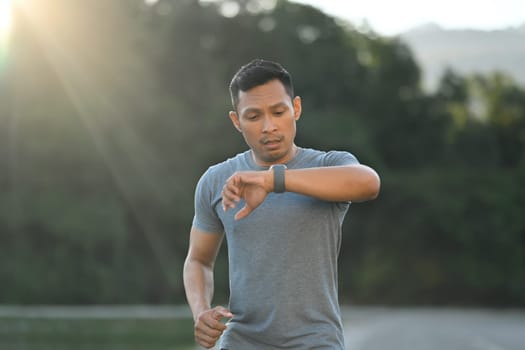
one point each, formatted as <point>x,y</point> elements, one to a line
<point>279,112</point>
<point>252,117</point>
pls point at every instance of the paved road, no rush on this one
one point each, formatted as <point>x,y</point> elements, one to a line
<point>374,328</point>
<point>366,328</point>
<point>433,329</point>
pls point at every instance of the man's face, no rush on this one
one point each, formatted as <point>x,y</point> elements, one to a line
<point>266,117</point>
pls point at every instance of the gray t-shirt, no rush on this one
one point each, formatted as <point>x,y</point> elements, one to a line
<point>282,259</point>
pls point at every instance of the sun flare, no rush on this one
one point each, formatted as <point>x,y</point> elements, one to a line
<point>5,27</point>
<point>5,16</point>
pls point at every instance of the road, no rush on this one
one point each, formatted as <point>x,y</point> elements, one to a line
<point>369,328</point>
<point>366,328</point>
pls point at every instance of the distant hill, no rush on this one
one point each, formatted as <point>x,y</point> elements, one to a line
<point>467,51</point>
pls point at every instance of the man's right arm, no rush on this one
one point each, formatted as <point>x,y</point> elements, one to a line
<point>198,283</point>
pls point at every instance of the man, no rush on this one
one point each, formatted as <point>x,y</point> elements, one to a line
<point>281,208</point>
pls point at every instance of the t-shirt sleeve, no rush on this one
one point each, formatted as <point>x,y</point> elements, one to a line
<point>336,158</point>
<point>206,218</point>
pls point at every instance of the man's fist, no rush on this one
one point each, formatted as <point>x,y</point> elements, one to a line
<point>208,326</point>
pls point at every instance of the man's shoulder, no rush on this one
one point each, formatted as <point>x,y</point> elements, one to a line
<point>322,153</point>
<point>325,158</point>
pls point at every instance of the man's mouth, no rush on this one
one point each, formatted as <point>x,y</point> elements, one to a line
<point>272,144</point>
<point>271,141</point>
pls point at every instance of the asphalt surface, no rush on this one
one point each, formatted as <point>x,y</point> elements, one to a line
<point>368,328</point>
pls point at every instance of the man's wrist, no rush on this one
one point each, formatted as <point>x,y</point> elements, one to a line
<point>278,171</point>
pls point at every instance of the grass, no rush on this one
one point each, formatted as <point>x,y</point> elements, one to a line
<point>95,334</point>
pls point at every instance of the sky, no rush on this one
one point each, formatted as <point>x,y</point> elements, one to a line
<point>396,16</point>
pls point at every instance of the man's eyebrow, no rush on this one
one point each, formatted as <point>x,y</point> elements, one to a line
<point>257,110</point>
<point>250,110</point>
<point>278,104</point>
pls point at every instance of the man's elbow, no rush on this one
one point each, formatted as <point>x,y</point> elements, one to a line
<point>374,185</point>
<point>370,187</point>
<point>195,262</point>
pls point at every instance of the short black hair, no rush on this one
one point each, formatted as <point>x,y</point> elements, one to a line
<point>259,72</point>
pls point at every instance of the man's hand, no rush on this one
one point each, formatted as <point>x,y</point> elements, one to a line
<point>252,186</point>
<point>208,326</point>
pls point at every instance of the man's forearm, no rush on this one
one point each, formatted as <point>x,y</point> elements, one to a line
<point>337,183</point>
<point>353,183</point>
<point>198,284</point>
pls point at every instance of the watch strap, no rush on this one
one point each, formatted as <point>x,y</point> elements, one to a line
<point>278,177</point>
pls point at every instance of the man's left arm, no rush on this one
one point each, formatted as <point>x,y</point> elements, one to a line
<point>345,183</point>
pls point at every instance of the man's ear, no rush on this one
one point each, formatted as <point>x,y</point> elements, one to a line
<point>235,120</point>
<point>297,107</point>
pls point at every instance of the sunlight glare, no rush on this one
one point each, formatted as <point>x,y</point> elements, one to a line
<point>5,16</point>
<point>5,26</point>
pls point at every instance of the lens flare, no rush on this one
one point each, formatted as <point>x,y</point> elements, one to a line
<point>5,26</point>
<point>5,15</point>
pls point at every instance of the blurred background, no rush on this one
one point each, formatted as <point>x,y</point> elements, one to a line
<point>111,110</point>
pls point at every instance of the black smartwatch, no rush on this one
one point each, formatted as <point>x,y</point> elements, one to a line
<point>278,177</point>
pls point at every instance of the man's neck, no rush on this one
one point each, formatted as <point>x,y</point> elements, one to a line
<point>291,155</point>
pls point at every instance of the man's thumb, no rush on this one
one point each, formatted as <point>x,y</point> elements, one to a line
<point>244,212</point>
<point>221,312</point>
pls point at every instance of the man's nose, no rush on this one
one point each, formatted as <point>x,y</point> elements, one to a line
<point>268,124</point>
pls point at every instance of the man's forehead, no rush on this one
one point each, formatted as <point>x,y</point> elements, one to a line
<point>271,94</point>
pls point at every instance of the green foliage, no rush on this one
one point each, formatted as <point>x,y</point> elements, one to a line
<point>465,246</point>
<point>105,130</point>
<point>109,334</point>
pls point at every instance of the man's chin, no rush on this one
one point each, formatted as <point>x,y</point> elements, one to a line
<point>272,157</point>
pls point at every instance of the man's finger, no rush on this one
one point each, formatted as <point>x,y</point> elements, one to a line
<point>211,327</point>
<point>232,192</point>
<point>206,342</point>
<point>214,327</point>
<point>228,199</point>
<point>233,185</point>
